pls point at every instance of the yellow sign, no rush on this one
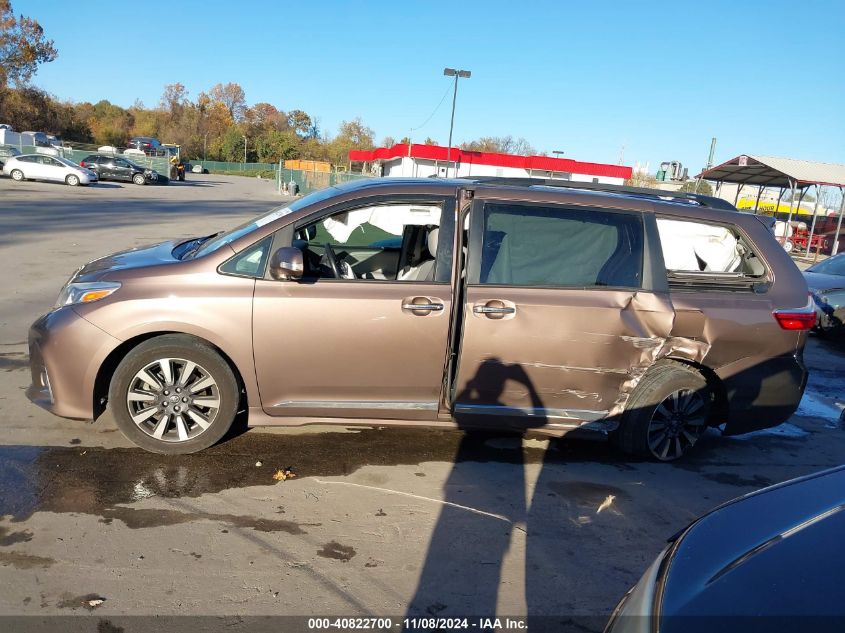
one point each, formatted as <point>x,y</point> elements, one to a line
<point>768,207</point>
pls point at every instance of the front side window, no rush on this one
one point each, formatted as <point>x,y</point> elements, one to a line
<point>535,245</point>
<point>388,242</point>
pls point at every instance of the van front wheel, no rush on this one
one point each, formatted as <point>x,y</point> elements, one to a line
<point>174,394</point>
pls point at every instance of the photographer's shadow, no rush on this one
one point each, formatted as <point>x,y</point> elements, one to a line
<point>485,501</point>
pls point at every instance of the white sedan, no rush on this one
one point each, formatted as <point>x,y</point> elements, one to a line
<point>43,167</point>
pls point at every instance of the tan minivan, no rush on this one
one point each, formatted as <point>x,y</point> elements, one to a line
<point>639,314</point>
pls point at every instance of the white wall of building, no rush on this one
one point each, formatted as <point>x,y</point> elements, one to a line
<point>424,168</point>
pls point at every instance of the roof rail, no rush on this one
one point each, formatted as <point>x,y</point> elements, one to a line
<point>683,196</point>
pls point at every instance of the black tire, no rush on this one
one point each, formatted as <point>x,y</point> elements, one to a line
<point>173,346</point>
<point>17,175</point>
<point>139,179</point>
<point>642,430</point>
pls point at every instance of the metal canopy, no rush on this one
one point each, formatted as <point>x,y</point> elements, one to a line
<point>772,171</point>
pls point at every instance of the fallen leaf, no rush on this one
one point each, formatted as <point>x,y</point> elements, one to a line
<point>283,474</point>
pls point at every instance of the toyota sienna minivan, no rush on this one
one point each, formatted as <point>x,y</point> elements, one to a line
<point>642,315</point>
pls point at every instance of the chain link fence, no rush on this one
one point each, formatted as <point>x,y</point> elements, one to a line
<point>308,181</point>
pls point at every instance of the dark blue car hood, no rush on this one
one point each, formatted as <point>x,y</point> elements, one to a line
<point>779,552</point>
<point>823,281</point>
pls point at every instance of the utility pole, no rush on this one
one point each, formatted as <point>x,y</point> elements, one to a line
<point>709,161</point>
<point>244,150</point>
<point>452,72</point>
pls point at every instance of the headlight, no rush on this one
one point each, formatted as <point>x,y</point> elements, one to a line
<point>75,292</point>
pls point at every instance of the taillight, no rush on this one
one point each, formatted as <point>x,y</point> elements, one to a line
<point>797,319</point>
<point>82,164</point>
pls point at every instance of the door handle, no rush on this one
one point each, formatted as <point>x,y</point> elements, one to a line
<point>422,306</point>
<point>493,310</point>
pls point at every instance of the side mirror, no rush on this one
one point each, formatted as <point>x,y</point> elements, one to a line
<point>287,263</point>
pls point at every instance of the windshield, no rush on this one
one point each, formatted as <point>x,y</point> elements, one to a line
<point>832,266</point>
<point>245,229</point>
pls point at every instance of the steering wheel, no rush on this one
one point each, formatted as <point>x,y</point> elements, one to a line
<point>340,269</point>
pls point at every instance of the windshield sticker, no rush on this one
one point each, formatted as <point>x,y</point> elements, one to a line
<point>274,215</point>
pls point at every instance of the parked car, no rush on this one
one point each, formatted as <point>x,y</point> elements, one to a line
<point>641,314</point>
<point>45,167</point>
<point>769,561</point>
<point>118,168</point>
<point>6,152</point>
<point>826,281</point>
<point>147,144</point>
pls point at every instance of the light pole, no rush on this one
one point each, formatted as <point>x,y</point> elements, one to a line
<point>244,150</point>
<point>451,72</point>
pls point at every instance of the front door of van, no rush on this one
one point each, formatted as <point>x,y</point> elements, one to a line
<point>556,316</point>
<point>356,344</point>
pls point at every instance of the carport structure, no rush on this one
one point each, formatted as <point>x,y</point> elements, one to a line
<point>785,174</point>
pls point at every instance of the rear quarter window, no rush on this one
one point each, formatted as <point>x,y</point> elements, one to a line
<point>705,253</point>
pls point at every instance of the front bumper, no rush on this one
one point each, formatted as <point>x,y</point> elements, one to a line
<point>65,353</point>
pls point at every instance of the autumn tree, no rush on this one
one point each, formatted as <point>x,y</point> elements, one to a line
<point>232,96</point>
<point>274,146</point>
<point>174,98</point>
<point>110,124</point>
<point>23,47</point>
<point>501,145</point>
<point>299,122</point>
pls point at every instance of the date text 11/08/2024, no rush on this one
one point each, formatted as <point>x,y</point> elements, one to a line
<point>418,624</point>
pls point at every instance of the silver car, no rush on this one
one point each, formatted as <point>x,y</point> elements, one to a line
<point>43,167</point>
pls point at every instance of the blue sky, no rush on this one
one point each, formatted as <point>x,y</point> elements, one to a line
<point>582,77</point>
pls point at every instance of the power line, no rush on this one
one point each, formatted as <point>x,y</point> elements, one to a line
<point>431,116</point>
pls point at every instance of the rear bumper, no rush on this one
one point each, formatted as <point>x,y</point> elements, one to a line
<point>65,353</point>
<point>766,394</point>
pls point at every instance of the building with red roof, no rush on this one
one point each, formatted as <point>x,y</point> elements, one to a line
<point>425,161</point>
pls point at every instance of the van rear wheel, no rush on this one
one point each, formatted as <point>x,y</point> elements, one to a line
<point>173,394</point>
<point>667,413</point>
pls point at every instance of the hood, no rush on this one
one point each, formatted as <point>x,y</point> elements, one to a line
<point>775,552</point>
<point>138,257</point>
<point>823,281</point>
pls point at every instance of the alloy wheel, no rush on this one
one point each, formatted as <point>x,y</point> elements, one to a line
<point>676,424</point>
<point>173,399</point>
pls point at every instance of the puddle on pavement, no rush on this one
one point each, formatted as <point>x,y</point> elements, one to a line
<point>335,550</point>
<point>98,481</point>
<point>19,560</point>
